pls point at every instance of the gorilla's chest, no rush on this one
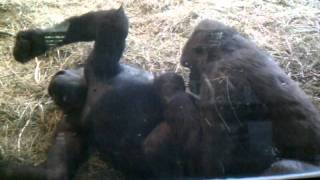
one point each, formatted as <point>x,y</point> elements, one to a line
<point>122,110</point>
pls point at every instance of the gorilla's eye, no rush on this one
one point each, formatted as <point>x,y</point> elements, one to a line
<point>199,50</point>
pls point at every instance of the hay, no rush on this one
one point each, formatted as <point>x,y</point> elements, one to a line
<point>288,29</point>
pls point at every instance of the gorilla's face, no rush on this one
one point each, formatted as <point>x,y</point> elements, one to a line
<point>201,46</point>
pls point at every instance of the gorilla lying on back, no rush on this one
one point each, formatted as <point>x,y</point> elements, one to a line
<point>263,114</point>
<point>120,107</point>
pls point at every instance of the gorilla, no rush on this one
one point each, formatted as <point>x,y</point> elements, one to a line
<point>109,106</point>
<point>178,137</point>
<point>263,115</point>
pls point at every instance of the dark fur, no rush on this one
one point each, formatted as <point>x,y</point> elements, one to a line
<point>121,108</point>
<point>32,43</point>
<point>239,85</point>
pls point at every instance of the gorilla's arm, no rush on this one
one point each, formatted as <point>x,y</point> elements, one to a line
<point>68,152</point>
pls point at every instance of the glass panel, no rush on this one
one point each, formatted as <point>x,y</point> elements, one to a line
<point>159,89</point>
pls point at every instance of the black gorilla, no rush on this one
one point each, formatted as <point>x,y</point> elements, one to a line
<point>111,108</point>
<point>263,115</point>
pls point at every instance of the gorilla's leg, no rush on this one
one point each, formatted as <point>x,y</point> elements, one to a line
<point>34,42</point>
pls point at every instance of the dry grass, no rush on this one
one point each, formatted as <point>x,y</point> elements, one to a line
<point>287,29</point>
